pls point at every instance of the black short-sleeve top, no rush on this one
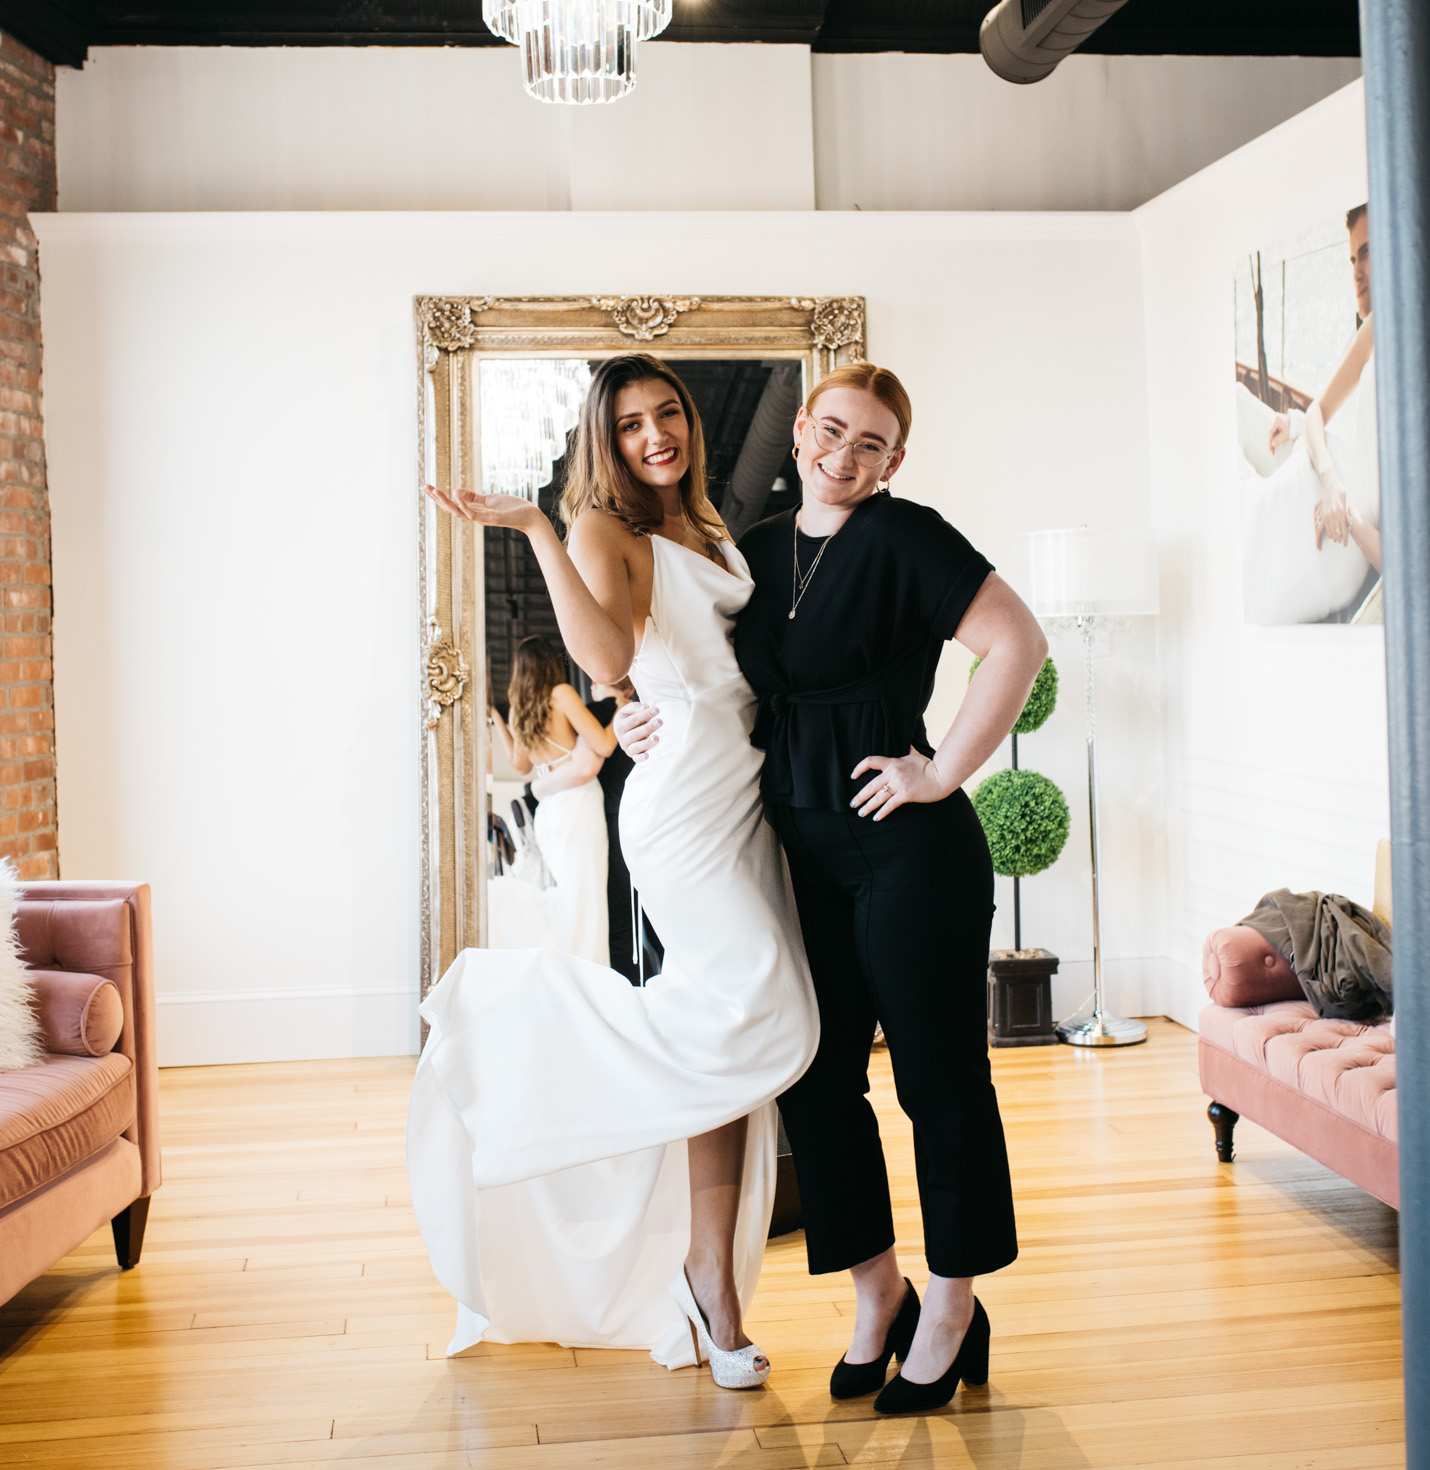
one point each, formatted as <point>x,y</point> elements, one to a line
<point>852,673</point>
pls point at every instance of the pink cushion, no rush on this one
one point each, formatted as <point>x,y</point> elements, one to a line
<point>92,935</point>
<point>1342,1065</point>
<point>58,1114</point>
<point>80,1015</point>
<point>1241,968</point>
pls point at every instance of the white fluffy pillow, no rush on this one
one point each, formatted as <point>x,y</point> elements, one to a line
<point>19,1023</point>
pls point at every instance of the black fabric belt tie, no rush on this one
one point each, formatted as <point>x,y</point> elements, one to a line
<point>772,732</point>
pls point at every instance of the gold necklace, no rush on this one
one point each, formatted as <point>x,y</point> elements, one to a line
<point>798,583</point>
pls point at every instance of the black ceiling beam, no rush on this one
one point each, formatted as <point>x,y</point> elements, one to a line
<point>1142,28</point>
<point>273,23</point>
<point>296,36</point>
<point>54,29</point>
<point>787,22</point>
<point>1232,28</point>
<point>903,25</point>
<point>64,29</point>
<point>405,23</point>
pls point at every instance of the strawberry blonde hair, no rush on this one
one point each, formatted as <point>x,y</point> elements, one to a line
<point>869,379</point>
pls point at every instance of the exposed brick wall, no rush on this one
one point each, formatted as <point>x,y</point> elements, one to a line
<point>28,825</point>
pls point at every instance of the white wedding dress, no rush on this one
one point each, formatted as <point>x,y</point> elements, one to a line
<point>1286,578</point>
<point>546,1130</point>
<point>570,914</point>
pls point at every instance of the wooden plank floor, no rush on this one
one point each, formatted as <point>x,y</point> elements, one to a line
<point>1165,1311</point>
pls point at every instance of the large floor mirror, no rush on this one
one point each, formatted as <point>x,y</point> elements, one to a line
<point>502,381</point>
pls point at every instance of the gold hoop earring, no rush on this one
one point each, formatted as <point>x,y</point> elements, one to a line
<point>795,452</point>
<point>882,486</point>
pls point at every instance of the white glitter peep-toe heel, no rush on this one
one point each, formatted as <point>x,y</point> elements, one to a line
<point>734,1369</point>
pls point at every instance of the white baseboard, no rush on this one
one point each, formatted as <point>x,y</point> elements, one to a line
<point>1133,985</point>
<point>1186,994</point>
<point>208,1027</point>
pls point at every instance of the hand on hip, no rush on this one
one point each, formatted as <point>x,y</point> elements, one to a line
<point>896,779</point>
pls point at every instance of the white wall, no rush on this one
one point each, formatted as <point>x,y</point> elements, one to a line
<point>231,425</point>
<point>229,409</point>
<point>708,127</point>
<point>369,127</point>
<point>1275,738</point>
<point>1102,132</point>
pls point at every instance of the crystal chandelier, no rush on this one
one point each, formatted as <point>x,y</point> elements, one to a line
<point>577,50</point>
<point>528,408</point>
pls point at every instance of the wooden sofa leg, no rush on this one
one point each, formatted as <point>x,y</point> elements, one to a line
<point>1223,1120</point>
<point>128,1226</point>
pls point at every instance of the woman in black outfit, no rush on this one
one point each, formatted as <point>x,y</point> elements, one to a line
<point>636,950</point>
<point>855,594</point>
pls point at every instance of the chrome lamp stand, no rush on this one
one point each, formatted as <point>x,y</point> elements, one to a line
<point>1100,1028</point>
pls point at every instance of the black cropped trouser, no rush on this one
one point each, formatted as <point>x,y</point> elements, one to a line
<point>896,918</point>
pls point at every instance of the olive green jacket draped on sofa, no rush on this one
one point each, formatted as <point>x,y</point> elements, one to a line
<point>1339,951</point>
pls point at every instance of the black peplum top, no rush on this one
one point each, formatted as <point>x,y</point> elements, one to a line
<point>852,673</point>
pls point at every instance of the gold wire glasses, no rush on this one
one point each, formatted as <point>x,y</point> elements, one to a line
<point>832,441</point>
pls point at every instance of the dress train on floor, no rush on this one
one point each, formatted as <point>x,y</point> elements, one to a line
<point>547,1126</point>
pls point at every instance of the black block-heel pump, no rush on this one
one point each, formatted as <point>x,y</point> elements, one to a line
<point>971,1365</point>
<point>850,1380</point>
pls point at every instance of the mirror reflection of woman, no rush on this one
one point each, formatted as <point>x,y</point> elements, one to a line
<point>556,740</point>
<point>635,944</point>
<point>856,592</point>
<point>620,1141</point>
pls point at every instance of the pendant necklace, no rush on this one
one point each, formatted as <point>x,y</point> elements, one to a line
<point>799,583</point>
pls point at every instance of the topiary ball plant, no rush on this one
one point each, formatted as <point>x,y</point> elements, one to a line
<point>1025,819</point>
<point>1041,700</point>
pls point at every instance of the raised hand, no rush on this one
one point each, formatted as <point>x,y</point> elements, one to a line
<point>514,512</point>
<point>897,779</point>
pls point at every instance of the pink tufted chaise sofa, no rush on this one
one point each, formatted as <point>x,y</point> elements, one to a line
<point>79,1132</point>
<point>1326,1087</point>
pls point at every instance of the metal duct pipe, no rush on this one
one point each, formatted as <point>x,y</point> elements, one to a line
<point>1023,40</point>
<point>765,451</point>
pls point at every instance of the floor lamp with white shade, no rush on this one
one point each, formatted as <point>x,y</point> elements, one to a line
<point>1092,577</point>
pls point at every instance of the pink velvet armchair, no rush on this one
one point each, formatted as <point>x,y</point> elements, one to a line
<point>79,1141</point>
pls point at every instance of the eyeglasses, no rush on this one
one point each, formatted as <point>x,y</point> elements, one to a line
<point>832,441</point>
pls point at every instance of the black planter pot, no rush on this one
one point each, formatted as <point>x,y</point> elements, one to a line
<point>1020,997</point>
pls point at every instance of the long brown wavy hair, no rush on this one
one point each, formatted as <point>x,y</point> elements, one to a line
<point>539,666</point>
<point>598,478</point>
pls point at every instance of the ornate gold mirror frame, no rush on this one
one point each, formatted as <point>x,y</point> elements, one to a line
<point>454,333</point>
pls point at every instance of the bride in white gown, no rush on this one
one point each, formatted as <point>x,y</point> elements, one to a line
<point>574,1142</point>
<point>1310,491</point>
<point>556,740</point>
